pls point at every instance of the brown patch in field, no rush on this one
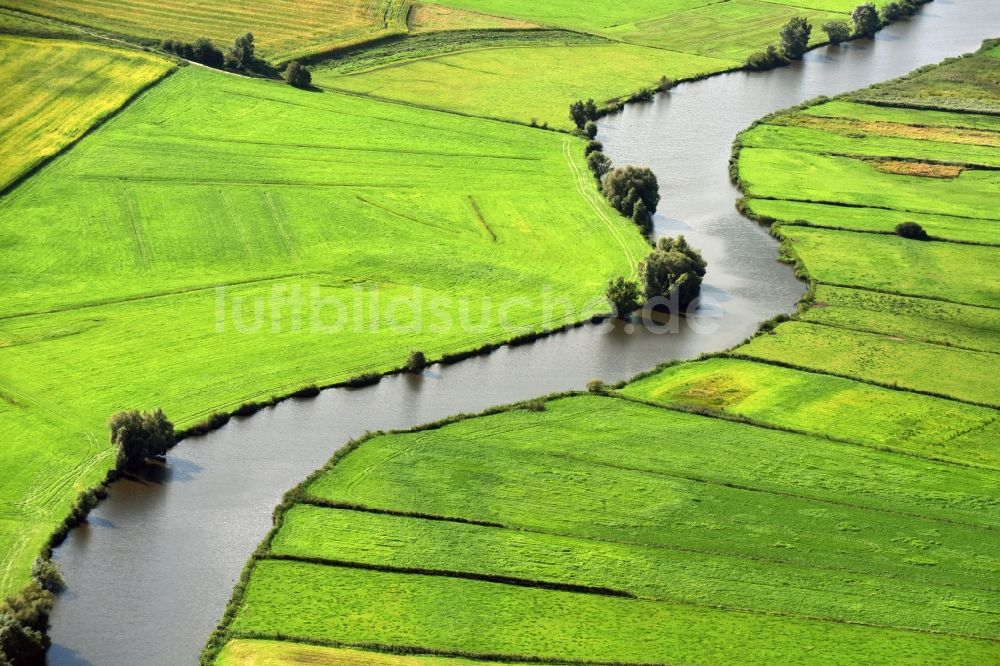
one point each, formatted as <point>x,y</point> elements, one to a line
<point>720,391</point>
<point>922,169</point>
<point>426,17</point>
<point>858,128</point>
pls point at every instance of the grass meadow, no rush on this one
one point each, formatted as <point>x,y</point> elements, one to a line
<point>395,226</point>
<point>56,90</point>
<point>824,493</point>
<point>511,622</point>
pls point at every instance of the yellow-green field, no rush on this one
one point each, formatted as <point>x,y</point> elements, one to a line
<point>54,91</point>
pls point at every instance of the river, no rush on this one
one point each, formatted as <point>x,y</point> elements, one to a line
<point>150,574</point>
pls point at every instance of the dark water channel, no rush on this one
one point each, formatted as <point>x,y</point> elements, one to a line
<point>150,574</point>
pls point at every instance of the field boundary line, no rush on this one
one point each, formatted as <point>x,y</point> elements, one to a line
<point>901,294</point>
<point>449,573</point>
<point>893,387</point>
<point>765,491</point>
<point>844,204</point>
<point>901,334</point>
<point>746,420</point>
<point>482,220</point>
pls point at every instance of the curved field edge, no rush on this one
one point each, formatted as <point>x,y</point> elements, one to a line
<point>922,399</point>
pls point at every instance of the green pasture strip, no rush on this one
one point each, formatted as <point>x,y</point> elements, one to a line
<point>376,540</point>
<point>829,406</point>
<point>506,622</point>
<point>605,469</point>
<point>853,218</point>
<point>947,271</point>
<point>802,176</point>
<point>885,360</point>
<point>919,319</point>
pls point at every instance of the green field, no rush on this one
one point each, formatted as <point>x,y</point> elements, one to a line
<point>56,90</point>
<point>605,498</point>
<point>825,493</point>
<point>830,406</point>
<point>412,220</point>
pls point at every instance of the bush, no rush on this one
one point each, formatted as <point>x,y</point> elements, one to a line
<point>417,362</point>
<point>536,405</point>
<point>626,187</point>
<point>644,95</point>
<point>140,435</point>
<point>892,11</point>
<point>205,52</point>
<point>795,37</point>
<point>866,20</point>
<point>21,645</point>
<point>766,59</point>
<point>597,386</point>
<point>665,84</point>
<point>202,51</point>
<point>673,270</point>
<point>599,164</point>
<point>837,31</point>
<point>593,146</point>
<point>911,230</point>
<point>297,75</point>
<point>47,574</point>
<point>590,129</point>
<point>623,295</point>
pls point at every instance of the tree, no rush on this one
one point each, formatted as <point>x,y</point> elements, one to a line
<point>837,31</point>
<point>911,230</point>
<point>866,21</point>
<point>243,51</point>
<point>673,270</point>
<point>590,109</point>
<point>795,37</point>
<point>623,295</point>
<point>642,217</point>
<point>297,75</point>
<point>599,163</point>
<point>590,129</point>
<point>767,59</point>
<point>140,435</point>
<point>578,113</point>
<point>593,146</point>
<point>892,11</point>
<point>417,362</point>
<point>626,186</point>
<point>205,52</point>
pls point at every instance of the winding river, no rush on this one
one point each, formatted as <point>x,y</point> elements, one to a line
<point>150,574</point>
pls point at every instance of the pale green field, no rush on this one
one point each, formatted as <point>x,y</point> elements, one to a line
<point>214,180</point>
<point>494,82</point>
<point>55,90</point>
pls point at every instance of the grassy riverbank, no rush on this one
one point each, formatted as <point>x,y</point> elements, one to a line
<point>824,493</point>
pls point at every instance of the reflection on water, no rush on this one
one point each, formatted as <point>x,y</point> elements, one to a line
<point>150,575</point>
